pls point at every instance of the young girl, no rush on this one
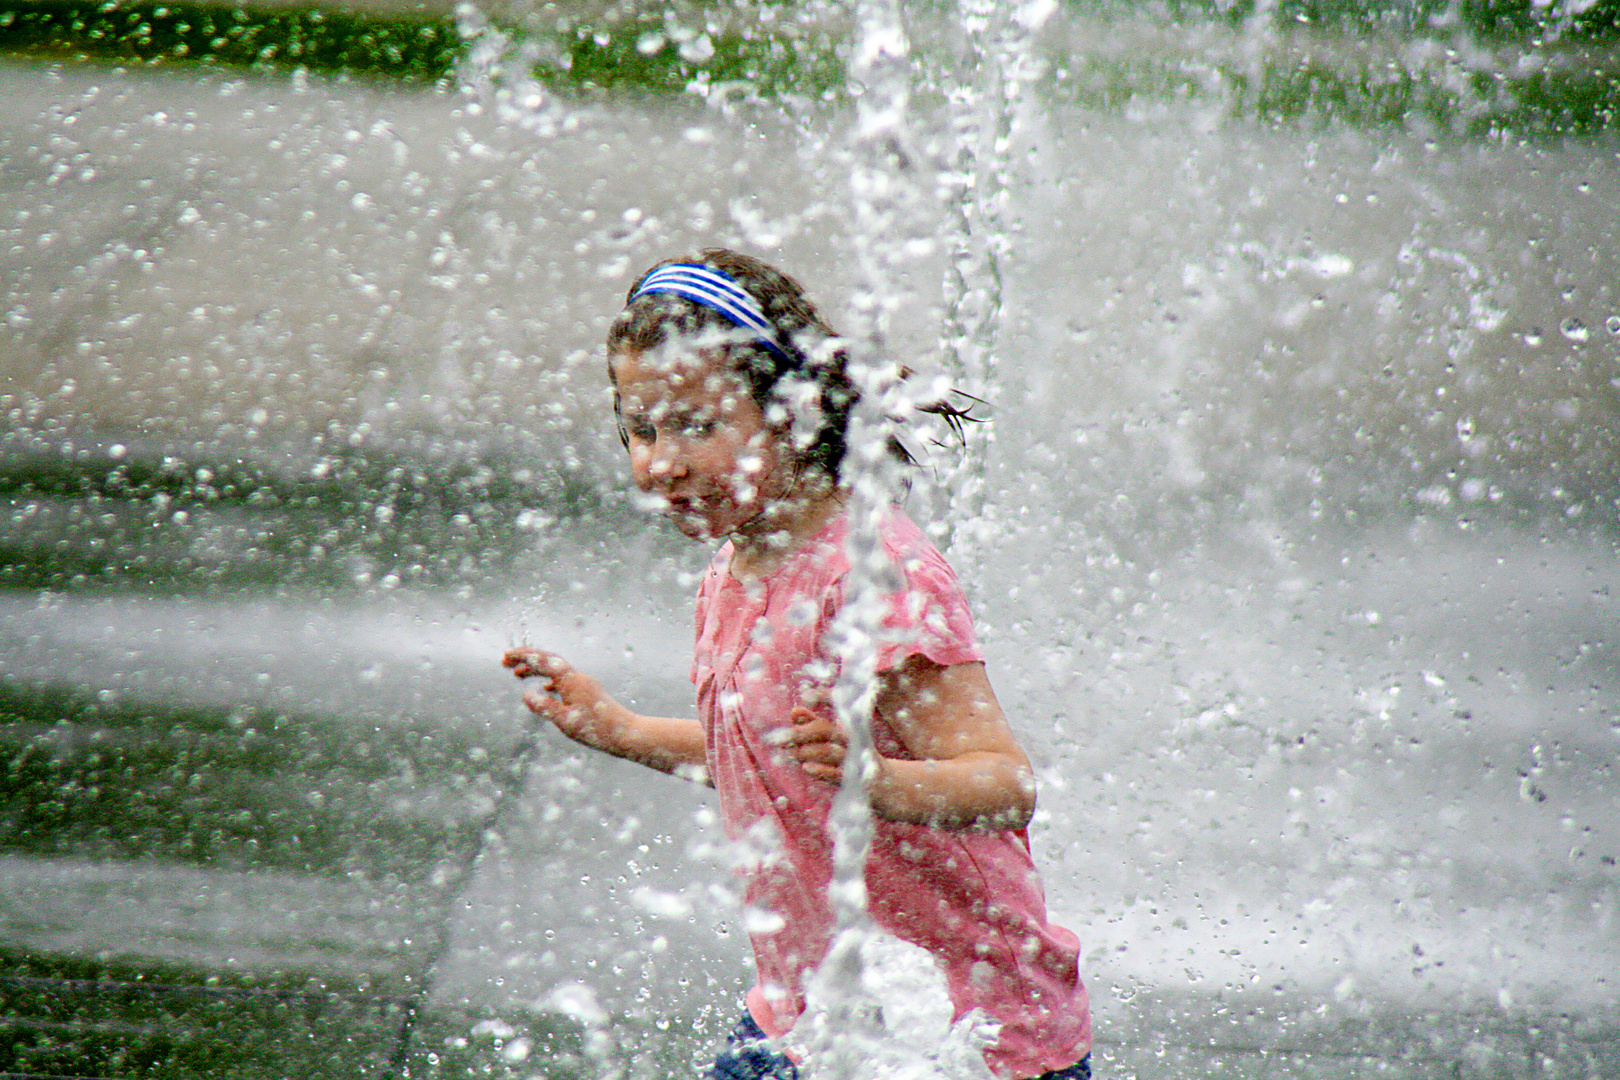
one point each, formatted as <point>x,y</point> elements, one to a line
<point>732,398</point>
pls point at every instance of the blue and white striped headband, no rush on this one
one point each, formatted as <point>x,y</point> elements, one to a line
<point>716,291</point>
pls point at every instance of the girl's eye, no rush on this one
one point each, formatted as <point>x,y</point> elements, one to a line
<point>699,428</point>
<point>641,429</point>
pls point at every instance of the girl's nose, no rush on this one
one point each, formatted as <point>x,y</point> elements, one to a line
<point>659,463</point>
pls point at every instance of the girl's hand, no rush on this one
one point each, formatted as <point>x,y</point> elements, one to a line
<point>577,705</point>
<point>817,744</point>
<point>569,698</point>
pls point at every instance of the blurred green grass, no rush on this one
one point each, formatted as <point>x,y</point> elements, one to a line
<point>1487,19</point>
<point>88,1017</point>
<point>1574,93</point>
<point>244,788</point>
<point>155,523</point>
<point>410,46</point>
<point>121,1020</point>
<point>249,796</point>
<point>1454,67</point>
<point>394,46</point>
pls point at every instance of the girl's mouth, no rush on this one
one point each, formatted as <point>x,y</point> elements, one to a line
<point>687,512</point>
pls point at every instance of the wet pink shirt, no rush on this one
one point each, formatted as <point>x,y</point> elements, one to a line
<point>972,899</point>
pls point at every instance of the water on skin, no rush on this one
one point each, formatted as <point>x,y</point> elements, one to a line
<point>1314,657</point>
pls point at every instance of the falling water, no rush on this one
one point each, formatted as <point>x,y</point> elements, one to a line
<point>1290,531</point>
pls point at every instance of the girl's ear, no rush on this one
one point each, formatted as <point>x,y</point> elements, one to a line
<point>796,412</point>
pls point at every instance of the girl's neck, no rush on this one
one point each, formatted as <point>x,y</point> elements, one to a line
<point>756,552</point>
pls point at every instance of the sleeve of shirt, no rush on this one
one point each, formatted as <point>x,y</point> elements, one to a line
<point>929,616</point>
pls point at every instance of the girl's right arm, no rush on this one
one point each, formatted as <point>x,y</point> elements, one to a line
<point>579,708</point>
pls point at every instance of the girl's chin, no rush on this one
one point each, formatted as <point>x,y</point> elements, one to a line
<point>711,522</point>
<point>692,526</point>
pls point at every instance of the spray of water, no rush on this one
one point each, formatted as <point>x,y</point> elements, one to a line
<point>877,1007</point>
<point>987,101</point>
<point>845,1020</point>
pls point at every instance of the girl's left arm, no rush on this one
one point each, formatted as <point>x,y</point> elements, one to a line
<point>970,773</point>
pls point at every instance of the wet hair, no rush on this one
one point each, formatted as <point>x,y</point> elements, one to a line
<point>810,353</point>
<point>805,352</point>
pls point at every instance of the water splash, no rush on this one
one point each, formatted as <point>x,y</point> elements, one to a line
<point>843,1033</point>
<point>987,101</point>
<point>878,1009</point>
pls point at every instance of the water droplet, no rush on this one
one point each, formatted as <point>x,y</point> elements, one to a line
<point>1532,337</point>
<point>1574,329</point>
<point>1613,324</point>
<point>698,51</point>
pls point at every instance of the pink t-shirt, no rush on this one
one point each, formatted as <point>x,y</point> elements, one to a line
<point>972,899</point>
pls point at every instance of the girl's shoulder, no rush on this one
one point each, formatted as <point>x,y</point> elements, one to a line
<point>823,561</point>
<point>901,534</point>
<point>907,546</point>
<point>905,543</point>
<point>910,549</point>
<point>916,564</point>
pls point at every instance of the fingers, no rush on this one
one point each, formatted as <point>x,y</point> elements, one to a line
<point>544,699</point>
<point>809,729</point>
<point>542,704</point>
<point>817,744</point>
<point>572,720</point>
<point>526,662</point>
<point>809,726</point>
<point>525,658</point>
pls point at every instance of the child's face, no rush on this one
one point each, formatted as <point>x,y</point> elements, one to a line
<point>698,440</point>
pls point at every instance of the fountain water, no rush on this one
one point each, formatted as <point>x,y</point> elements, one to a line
<point>1292,532</point>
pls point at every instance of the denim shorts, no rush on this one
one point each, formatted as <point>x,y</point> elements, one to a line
<point>748,1056</point>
